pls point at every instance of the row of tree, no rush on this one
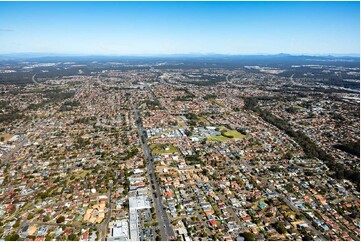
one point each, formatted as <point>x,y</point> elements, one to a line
<point>10,117</point>
<point>352,148</point>
<point>310,149</point>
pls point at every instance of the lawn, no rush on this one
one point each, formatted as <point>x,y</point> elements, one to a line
<point>234,133</point>
<point>297,107</point>
<point>74,176</point>
<point>203,120</point>
<point>82,174</point>
<point>218,138</point>
<point>216,102</point>
<point>27,206</point>
<point>160,148</point>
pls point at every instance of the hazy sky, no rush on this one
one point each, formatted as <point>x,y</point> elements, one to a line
<point>180,27</point>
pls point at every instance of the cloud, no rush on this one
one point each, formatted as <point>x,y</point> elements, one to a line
<point>7,30</point>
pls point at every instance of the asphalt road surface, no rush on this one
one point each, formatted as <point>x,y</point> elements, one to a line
<point>166,230</point>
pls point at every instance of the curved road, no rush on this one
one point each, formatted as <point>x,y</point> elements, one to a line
<point>33,79</point>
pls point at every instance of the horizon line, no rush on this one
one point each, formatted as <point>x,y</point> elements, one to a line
<point>53,54</point>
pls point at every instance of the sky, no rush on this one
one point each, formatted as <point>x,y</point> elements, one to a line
<point>158,28</point>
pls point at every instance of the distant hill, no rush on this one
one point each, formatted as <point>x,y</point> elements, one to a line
<point>191,59</point>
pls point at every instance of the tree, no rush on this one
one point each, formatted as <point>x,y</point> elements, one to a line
<point>248,236</point>
<point>46,218</point>
<point>280,228</point>
<point>12,237</point>
<point>30,216</point>
<point>60,219</point>
<point>16,224</point>
<point>205,172</point>
<point>307,237</point>
<point>311,149</point>
<point>72,237</point>
<point>288,155</point>
<point>300,216</point>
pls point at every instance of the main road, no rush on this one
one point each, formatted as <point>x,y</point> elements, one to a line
<point>166,230</point>
<point>103,227</point>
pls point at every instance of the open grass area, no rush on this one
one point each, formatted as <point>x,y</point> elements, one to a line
<point>216,102</point>
<point>79,175</point>
<point>181,123</point>
<point>163,148</point>
<point>218,138</point>
<point>222,128</point>
<point>82,174</point>
<point>235,134</point>
<point>226,135</point>
<point>28,205</point>
<point>203,120</point>
<point>297,107</point>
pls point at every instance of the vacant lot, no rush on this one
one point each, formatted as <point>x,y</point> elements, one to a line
<point>163,148</point>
